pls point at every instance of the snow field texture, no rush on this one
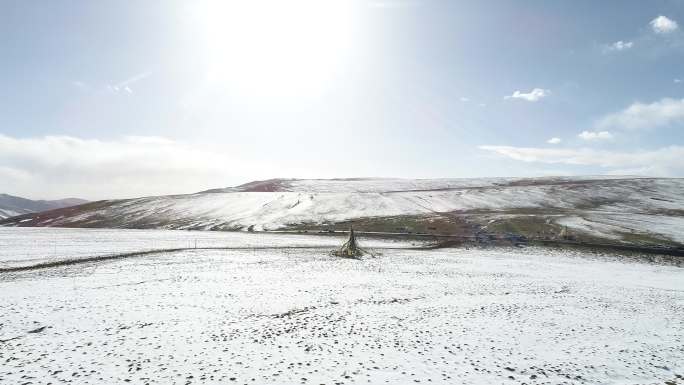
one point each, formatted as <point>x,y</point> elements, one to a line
<point>30,246</point>
<point>283,316</point>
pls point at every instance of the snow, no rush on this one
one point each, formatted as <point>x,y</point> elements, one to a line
<point>368,185</point>
<point>275,210</point>
<point>670,226</point>
<point>283,316</point>
<point>31,246</point>
<point>591,227</point>
<point>609,225</point>
<point>587,204</point>
<point>6,213</point>
<point>11,206</point>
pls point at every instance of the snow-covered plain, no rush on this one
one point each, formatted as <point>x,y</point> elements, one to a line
<point>284,316</point>
<point>31,246</point>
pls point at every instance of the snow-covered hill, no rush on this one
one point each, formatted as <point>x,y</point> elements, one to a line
<point>12,205</point>
<point>383,185</point>
<point>618,208</point>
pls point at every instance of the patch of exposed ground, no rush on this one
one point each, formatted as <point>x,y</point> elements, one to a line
<point>408,224</point>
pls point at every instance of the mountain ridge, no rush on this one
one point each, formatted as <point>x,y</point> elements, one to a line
<point>11,205</point>
<point>371,184</point>
<point>614,208</point>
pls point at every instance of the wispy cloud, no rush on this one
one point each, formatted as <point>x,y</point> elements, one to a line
<point>393,3</point>
<point>554,140</point>
<point>663,25</point>
<point>619,46</point>
<point>667,161</point>
<point>595,135</point>
<point>79,84</point>
<point>533,96</point>
<point>645,116</point>
<point>126,84</point>
<point>464,99</point>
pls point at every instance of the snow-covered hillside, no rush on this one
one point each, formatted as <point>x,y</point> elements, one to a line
<point>377,185</point>
<point>8,213</point>
<point>610,208</point>
<point>12,205</point>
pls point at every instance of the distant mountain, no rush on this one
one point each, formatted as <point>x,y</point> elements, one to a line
<point>597,208</point>
<point>12,205</point>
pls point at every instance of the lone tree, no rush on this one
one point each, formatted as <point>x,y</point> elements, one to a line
<point>351,248</point>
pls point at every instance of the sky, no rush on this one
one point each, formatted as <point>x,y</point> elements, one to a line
<point>114,99</point>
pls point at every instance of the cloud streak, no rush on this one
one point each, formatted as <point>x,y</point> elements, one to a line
<point>126,84</point>
<point>640,116</point>
<point>619,46</point>
<point>532,96</point>
<point>595,135</point>
<point>389,4</point>
<point>667,161</point>
<point>125,167</point>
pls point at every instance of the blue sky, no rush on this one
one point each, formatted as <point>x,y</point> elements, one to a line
<point>115,99</point>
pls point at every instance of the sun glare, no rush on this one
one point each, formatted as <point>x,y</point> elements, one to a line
<point>275,47</point>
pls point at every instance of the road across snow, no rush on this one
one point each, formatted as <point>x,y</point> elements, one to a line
<point>302,317</point>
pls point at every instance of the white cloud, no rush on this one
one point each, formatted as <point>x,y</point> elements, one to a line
<point>464,99</point>
<point>663,25</point>
<point>644,116</point>
<point>131,166</point>
<point>532,96</point>
<point>10,173</point>
<point>677,81</point>
<point>619,46</point>
<point>595,135</point>
<point>126,84</point>
<point>79,84</point>
<point>554,141</point>
<point>393,4</point>
<point>667,161</point>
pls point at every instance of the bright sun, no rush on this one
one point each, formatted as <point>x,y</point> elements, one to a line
<point>275,47</point>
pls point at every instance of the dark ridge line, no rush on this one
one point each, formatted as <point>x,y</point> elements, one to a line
<point>74,261</point>
<point>651,250</point>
